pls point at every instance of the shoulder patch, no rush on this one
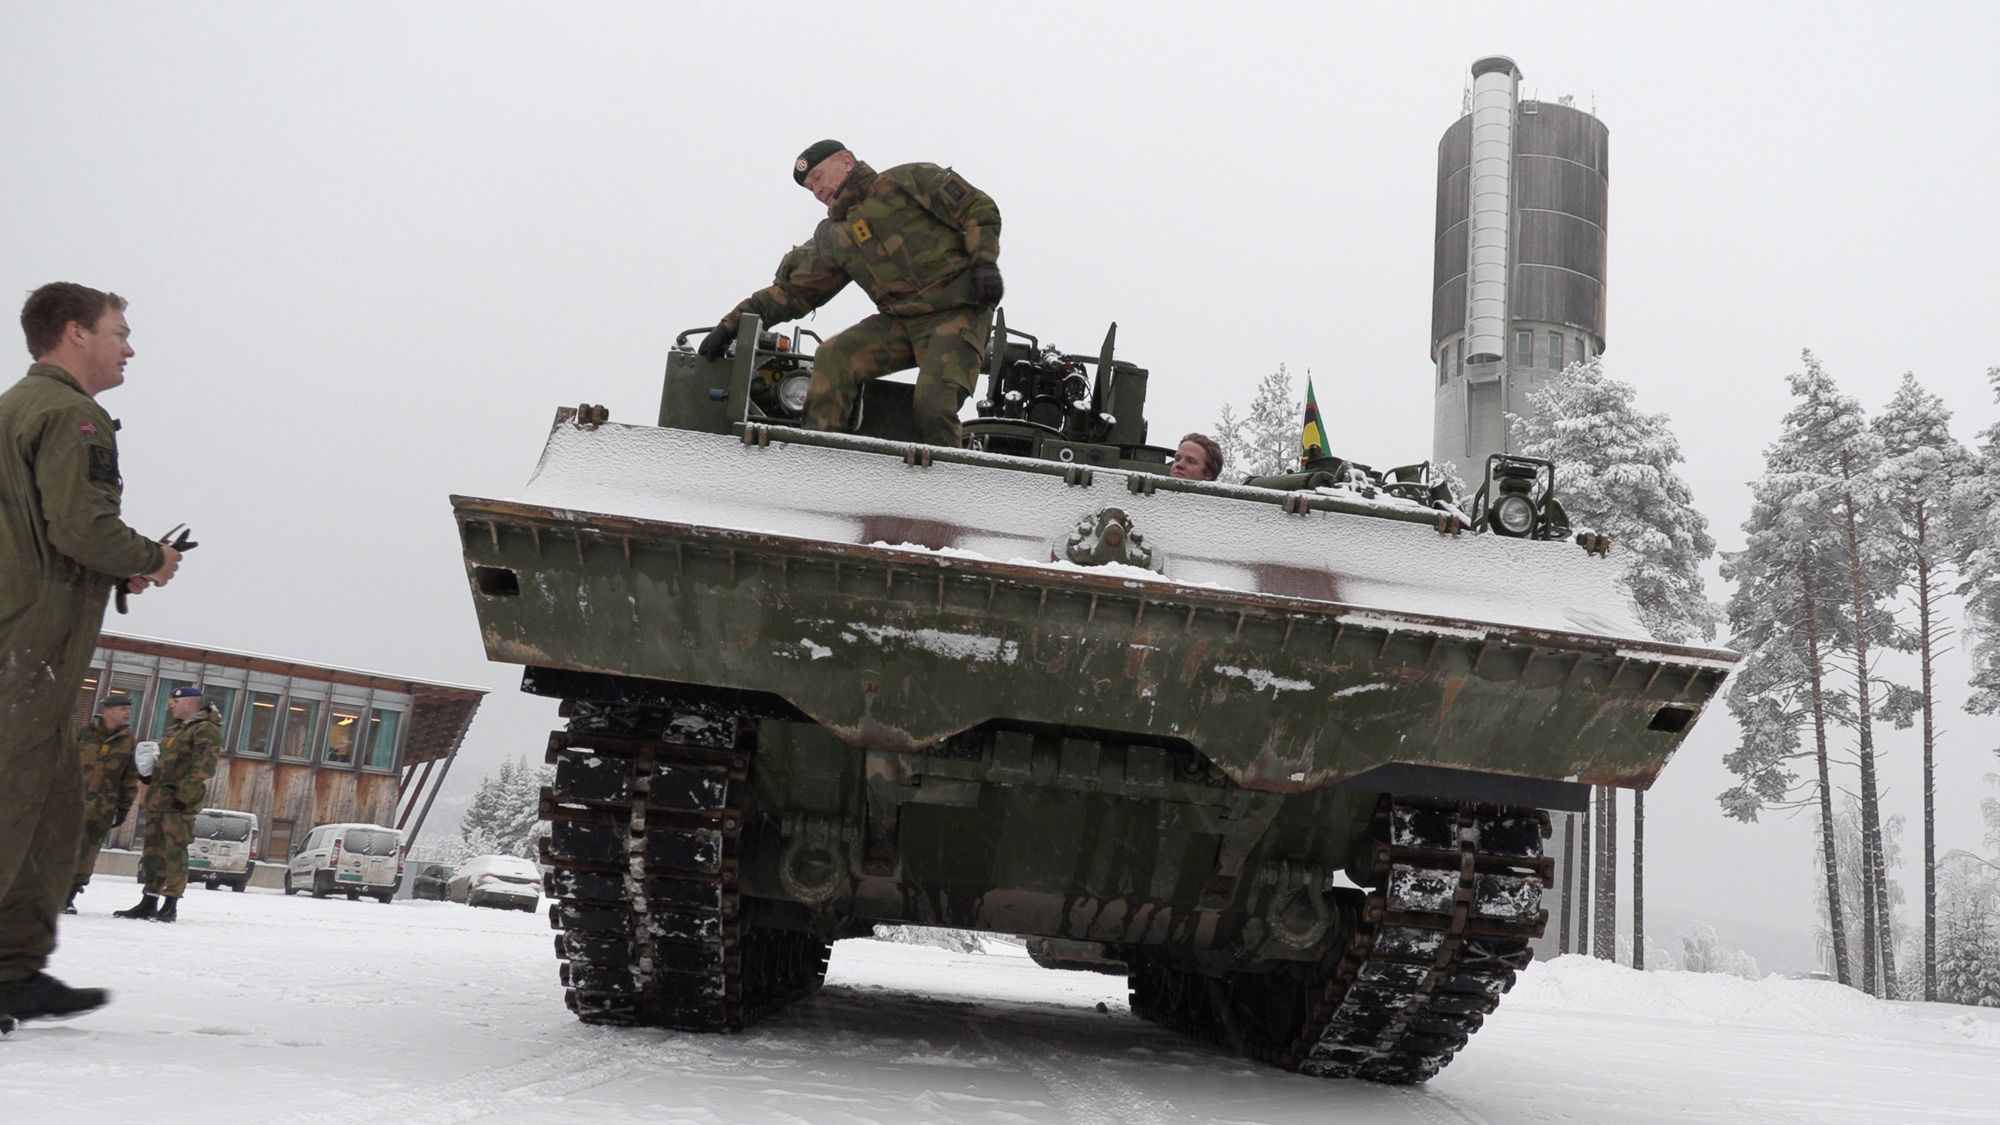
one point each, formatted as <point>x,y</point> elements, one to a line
<point>955,189</point>
<point>861,232</point>
<point>89,429</point>
<point>104,466</point>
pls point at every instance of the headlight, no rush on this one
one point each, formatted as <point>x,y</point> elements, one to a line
<point>1514,514</point>
<point>792,392</point>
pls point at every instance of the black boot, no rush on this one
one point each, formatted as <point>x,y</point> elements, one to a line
<point>43,997</point>
<point>70,906</point>
<point>146,909</point>
<point>167,906</point>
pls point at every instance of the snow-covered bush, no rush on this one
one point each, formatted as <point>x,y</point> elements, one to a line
<point>1703,952</point>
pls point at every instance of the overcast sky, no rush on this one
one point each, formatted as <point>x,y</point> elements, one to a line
<point>371,248</point>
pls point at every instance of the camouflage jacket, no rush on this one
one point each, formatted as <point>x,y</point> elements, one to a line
<point>908,236</point>
<point>188,754</point>
<point>110,780</point>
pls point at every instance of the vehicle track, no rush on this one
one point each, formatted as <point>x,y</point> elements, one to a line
<point>1457,898</point>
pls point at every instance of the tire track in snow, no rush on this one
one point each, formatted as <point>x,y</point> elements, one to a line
<point>572,1067</point>
<point>1081,1093</point>
<point>1440,1108</point>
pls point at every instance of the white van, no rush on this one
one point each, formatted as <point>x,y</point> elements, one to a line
<point>350,859</point>
<point>224,849</point>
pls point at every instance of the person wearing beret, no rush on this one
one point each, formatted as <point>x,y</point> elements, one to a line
<point>925,246</point>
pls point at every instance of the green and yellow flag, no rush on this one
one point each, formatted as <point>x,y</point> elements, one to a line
<point>1312,441</point>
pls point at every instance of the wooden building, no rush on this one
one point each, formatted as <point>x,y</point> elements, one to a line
<point>303,744</point>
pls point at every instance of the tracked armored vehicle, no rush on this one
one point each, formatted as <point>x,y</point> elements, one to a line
<point>1280,751</point>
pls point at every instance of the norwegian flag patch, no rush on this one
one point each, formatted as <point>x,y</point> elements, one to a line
<point>89,428</point>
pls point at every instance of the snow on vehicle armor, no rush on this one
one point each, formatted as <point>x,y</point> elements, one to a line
<point>815,681</point>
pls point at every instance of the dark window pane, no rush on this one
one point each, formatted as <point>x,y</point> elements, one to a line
<point>301,729</point>
<point>383,728</point>
<point>254,732</point>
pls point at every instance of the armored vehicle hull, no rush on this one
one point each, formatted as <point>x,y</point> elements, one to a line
<point>1281,756</point>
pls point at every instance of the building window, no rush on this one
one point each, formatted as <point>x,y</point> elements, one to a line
<point>383,728</point>
<point>342,735</point>
<point>1582,356</point>
<point>86,703</point>
<point>1555,351</point>
<point>301,729</point>
<point>259,722</point>
<point>1524,349</point>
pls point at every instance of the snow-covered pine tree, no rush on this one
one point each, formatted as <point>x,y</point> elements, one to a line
<point>1615,474</point>
<point>1968,970</point>
<point>1978,558</point>
<point>521,824</point>
<point>1787,619</point>
<point>482,825</point>
<point>1827,444</point>
<point>1785,616</point>
<point>1921,464</point>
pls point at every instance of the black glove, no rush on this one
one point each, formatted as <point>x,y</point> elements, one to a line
<point>986,285</point>
<point>715,345</point>
<point>120,818</point>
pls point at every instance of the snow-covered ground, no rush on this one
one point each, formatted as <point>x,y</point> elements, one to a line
<point>257,1007</point>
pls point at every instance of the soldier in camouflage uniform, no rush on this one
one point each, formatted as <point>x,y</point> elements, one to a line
<point>110,782</point>
<point>925,246</point>
<point>62,546</point>
<point>174,794</point>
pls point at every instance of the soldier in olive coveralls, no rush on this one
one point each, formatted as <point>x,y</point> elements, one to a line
<point>62,546</point>
<point>174,794</point>
<point>110,782</point>
<point>925,246</point>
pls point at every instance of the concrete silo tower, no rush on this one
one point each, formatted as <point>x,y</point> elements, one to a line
<point>1518,279</point>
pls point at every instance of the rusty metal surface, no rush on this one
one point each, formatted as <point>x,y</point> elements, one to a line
<point>899,650</point>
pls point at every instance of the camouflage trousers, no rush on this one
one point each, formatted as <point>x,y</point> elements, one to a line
<point>163,865</point>
<point>945,348</point>
<point>97,818</point>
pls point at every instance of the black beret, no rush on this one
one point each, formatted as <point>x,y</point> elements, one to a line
<point>117,699</point>
<point>813,155</point>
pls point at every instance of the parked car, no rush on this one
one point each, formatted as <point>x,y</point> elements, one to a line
<point>350,859</point>
<point>224,849</point>
<point>497,880</point>
<point>431,881</point>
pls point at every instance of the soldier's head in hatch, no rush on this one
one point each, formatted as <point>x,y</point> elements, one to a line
<point>1198,458</point>
<point>822,168</point>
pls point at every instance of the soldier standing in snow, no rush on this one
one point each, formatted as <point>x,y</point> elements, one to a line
<point>110,782</point>
<point>62,546</point>
<point>925,246</point>
<point>175,792</point>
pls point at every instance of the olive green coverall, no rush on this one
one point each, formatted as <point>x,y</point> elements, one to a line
<point>62,546</point>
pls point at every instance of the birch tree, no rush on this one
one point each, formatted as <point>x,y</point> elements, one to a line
<point>1266,440</point>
